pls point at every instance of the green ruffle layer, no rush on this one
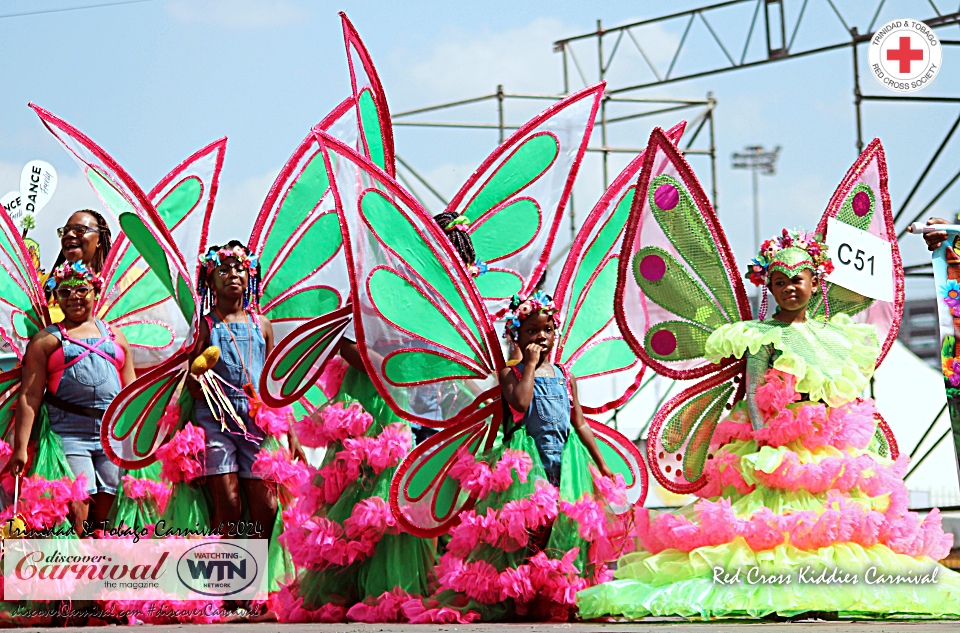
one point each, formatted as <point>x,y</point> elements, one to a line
<point>784,581</point>
<point>832,361</point>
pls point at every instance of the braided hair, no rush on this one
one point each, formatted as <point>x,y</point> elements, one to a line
<point>459,238</point>
<point>103,248</point>
<point>208,298</point>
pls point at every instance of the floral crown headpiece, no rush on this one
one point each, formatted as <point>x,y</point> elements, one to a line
<point>72,274</point>
<point>790,252</point>
<point>521,308</point>
<point>214,257</point>
<point>459,223</point>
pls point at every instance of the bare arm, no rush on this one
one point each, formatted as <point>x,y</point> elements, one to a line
<point>519,393</point>
<point>935,239</point>
<point>267,328</point>
<point>127,373</point>
<point>757,365</point>
<point>350,352</point>
<point>203,342</point>
<point>586,433</point>
<point>32,385</point>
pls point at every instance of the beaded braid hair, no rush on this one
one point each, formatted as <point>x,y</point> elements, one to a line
<point>212,259</point>
<point>106,241</point>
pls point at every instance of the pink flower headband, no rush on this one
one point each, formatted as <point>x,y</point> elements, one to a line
<point>245,256</point>
<point>73,274</point>
<point>521,308</point>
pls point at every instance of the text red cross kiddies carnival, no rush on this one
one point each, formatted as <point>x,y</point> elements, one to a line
<point>905,54</point>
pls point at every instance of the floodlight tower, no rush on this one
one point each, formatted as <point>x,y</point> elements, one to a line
<point>757,161</point>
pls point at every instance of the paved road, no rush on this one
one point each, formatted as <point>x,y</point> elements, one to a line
<point>659,626</point>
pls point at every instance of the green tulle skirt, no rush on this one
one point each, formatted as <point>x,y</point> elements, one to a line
<point>400,561</point>
<point>784,581</point>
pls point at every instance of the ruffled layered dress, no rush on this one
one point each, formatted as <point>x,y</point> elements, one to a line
<point>341,534</point>
<point>802,514</point>
<point>528,546</point>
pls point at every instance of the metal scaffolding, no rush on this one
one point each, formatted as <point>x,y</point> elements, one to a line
<point>759,47</point>
<point>640,108</point>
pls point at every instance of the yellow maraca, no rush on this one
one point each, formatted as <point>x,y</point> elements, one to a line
<point>205,361</point>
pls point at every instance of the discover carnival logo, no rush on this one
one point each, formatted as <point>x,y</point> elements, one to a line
<point>905,55</point>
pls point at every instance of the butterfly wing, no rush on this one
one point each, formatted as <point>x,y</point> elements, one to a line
<point>123,197</point>
<point>9,391</point>
<point>863,201</point>
<point>420,321</point>
<point>590,346</point>
<point>678,443</point>
<point>297,236</point>
<point>23,308</point>
<point>678,280</point>
<point>135,300</point>
<point>137,421</point>
<point>677,283</point>
<point>375,139</point>
<point>515,199</point>
<point>424,499</point>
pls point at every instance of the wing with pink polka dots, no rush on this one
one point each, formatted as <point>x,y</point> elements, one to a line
<point>677,282</point>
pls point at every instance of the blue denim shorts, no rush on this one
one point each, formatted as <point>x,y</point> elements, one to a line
<point>85,455</point>
<point>228,452</point>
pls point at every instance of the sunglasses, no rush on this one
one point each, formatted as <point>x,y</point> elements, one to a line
<point>75,229</point>
<point>80,292</point>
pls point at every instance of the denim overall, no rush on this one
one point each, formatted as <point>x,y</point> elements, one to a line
<point>90,378</point>
<point>229,451</point>
<point>547,419</point>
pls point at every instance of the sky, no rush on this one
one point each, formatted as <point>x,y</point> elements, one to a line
<point>155,80</point>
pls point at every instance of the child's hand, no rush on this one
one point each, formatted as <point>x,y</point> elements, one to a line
<point>18,461</point>
<point>605,471</point>
<point>531,354</point>
<point>193,386</point>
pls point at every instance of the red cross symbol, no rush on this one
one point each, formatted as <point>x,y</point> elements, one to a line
<point>905,55</point>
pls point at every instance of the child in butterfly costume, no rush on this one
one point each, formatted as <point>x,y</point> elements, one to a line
<point>803,506</point>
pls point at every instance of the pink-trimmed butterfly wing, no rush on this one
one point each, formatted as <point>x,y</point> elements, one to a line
<point>678,280</point>
<point>862,200</point>
<point>421,326</point>
<point>678,444</point>
<point>515,199</point>
<point>425,500</point>
<point>373,115</point>
<point>590,346</point>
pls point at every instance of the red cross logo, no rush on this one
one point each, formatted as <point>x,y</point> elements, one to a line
<point>905,55</point>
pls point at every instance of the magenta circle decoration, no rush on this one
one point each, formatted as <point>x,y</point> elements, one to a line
<point>663,343</point>
<point>666,196</point>
<point>861,204</point>
<point>652,267</point>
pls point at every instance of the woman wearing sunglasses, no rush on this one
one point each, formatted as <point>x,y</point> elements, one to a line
<point>85,238</point>
<point>71,372</point>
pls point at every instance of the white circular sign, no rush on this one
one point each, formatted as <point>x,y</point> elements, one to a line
<point>905,55</point>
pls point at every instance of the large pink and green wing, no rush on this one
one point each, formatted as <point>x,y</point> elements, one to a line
<point>9,391</point>
<point>298,239</point>
<point>863,201</point>
<point>137,422</point>
<point>590,346</point>
<point>375,130</point>
<point>419,319</point>
<point>425,500</point>
<point>135,300</point>
<point>678,280</point>
<point>515,199</point>
<point>125,200</point>
<point>680,436</point>
<point>23,308</point>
